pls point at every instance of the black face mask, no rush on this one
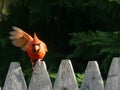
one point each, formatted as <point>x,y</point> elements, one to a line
<point>34,46</point>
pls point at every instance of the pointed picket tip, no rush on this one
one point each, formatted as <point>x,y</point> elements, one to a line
<point>113,78</point>
<point>15,79</point>
<point>92,79</point>
<point>41,80</point>
<point>66,79</point>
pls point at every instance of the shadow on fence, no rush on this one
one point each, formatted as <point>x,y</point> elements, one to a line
<point>65,79</point>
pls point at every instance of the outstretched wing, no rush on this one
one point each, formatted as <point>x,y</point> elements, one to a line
<point>20,38</point>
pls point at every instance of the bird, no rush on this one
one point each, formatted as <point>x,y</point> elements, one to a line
<point>36,49</point>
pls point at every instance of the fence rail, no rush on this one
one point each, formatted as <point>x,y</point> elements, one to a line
<point>65,79</point>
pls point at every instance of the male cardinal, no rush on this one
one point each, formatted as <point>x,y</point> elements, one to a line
<point>35,48</point>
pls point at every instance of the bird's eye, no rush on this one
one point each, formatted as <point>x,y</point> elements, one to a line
<point>38,44</point>
<point>35,44</point>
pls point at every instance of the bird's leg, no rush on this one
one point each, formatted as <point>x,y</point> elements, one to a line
<point>39,61</point>
<point>34,70</point>
<point>33,66</point>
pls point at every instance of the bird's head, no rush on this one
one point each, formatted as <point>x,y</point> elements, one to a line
<point>35,43</point>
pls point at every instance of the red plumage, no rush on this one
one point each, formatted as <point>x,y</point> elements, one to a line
<point>36,49</point>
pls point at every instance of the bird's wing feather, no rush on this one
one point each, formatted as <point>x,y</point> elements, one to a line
<point>20,38</point>
<point>45,47</point>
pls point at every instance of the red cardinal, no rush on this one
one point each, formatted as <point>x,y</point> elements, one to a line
<point>36,49</point>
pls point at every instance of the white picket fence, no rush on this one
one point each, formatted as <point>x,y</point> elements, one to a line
<point>66,79</point>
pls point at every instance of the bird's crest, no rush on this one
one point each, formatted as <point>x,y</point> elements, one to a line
<point>35,39</point>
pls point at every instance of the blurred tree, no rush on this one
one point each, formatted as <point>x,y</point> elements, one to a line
<point>53,20</point>
<point>100,46</point>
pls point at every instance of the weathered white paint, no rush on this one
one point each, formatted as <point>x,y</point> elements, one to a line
<point>41,80</point>
<point>113,78</point>
<point>66,79</point>
<point>92,79</point>
<point>15,79</point>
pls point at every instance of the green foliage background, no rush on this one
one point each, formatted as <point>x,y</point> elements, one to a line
<point>81,30</point>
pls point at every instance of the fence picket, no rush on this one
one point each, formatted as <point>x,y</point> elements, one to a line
<point>66,79</point>
<point>15,79</point>
<point>41,80</point>
<point>92,79</point>
<point>113,79</point>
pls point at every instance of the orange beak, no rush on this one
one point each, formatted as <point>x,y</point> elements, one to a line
<point>36,47</point>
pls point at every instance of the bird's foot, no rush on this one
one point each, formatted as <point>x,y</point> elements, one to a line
<point>39,61</point>
<point>34,70</point>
